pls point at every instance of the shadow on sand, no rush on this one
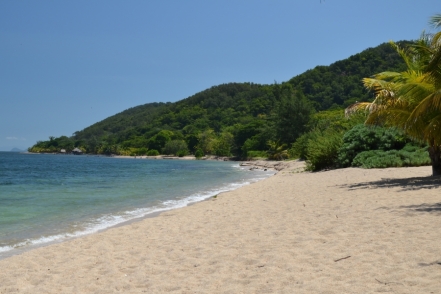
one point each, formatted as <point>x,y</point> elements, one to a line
<point>425,207</point>
<point>407,184</point>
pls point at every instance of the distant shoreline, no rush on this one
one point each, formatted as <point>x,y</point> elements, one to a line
<point>253,164</point>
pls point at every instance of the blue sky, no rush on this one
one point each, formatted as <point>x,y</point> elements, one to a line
<point>65,65</point>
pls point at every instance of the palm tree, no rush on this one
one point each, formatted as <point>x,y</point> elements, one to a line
<point>411,100</point>
<point>277,151</point>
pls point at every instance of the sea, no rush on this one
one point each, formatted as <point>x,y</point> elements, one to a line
<point>47,198</point>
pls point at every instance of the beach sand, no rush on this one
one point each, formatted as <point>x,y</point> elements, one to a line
<point>340,231</point>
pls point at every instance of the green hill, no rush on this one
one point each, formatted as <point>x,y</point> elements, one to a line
<point>231,119</point>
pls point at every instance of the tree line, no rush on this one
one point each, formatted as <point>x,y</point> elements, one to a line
<point>299,118</point>
<point>235,119</point>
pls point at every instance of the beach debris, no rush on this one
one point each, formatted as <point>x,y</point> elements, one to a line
<point>385,283</point>
<point>342,258</point>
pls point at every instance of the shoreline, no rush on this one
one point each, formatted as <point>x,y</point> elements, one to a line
<point>339,231</point>
<point>253,164</point>
<point>65,238</point>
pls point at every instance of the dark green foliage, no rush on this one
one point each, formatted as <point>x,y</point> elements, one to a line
<point>152,152</point>
<point>175,147</point>
<point>223,144</point>
<point>249,145</point>
<point>256,154</point>
<point>322,149</point>
<point>182,153</point>
<point>299,148</point>
<point>54,145</point>
<point>199,154</point>
<point>330,121</point>
<point>339,83</point>
<point>192,142</point>
<point>363,138</point>
<point>141,151</point>
<point>251,131</point>
<point>292,115</point>
<point>124,125</point>
<point>159,140</point>
<point>408,156</point>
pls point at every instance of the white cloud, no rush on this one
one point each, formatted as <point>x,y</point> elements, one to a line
<point>15,138</point>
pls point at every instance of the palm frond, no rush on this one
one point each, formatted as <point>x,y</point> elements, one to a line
<point>414,92</point>
<point>357,108</point>
<point>435,21</point>
<point>379,87</point>
<point>403,54</point>
<point>409,100</point>
<point>431,103</point>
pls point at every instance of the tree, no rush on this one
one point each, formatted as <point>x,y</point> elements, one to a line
<point>206,139</point>
<point>411,100</point>
<point>223,144</point>
<point>159,140</point>
<point>292,117</point>
<point>277,151</point>
<point>174,146</point>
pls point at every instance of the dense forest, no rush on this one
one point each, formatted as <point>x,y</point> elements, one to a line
<point>239,119</point>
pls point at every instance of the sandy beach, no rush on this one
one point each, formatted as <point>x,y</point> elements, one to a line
<point>340,231</point>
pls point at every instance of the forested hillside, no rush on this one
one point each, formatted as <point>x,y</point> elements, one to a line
<point>233,119</point>
<point>340,83</point>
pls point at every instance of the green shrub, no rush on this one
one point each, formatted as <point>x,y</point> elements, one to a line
<point>141,151</point>
<point>322,150</point>
<point>175,146</point>
<point>250,144</point>
<point>300,147</point>
<point>199,153</point>
<point>152,152</point>
<point>182,153</point>
<point>257,154</point>
<point>363,138</point>
<point>223,144</point>
<point>410,155</point>
<point>377,159</point>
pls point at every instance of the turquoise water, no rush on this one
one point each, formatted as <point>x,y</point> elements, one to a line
<point>46,198</point>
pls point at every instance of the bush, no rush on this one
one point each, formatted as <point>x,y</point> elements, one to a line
<point>152,152</point>
<point>223,144</point>
<point>410,155</point>
<point>300,147</point>
<point>175,146</point>
<point>182,153</point>
<point>141,151</point>
<point>322,150</point>
<point>363,138</point>
<point>255,154</point>
<point>199,153</point>
<point>250,144</point>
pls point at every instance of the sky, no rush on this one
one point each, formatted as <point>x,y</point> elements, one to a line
<point>65,65</point>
